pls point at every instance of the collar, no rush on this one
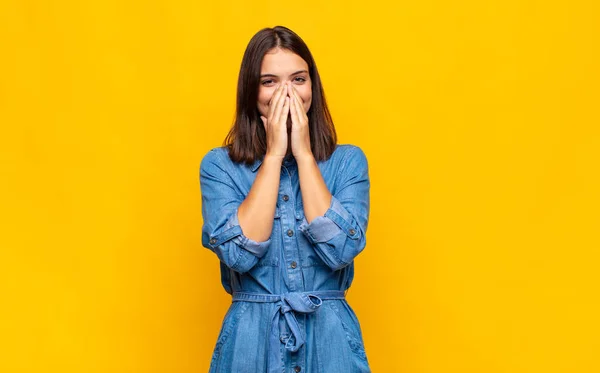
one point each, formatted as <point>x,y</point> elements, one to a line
<point>288,161</point>
<point>256,164</point>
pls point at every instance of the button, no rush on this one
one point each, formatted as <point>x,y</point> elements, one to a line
<point>293,265</point>
<point>282,339</point>
<point>290,232</point>
<point>297,368</point>
<point>286,197</point>
<point>352,231</point>
<point>213,241</point>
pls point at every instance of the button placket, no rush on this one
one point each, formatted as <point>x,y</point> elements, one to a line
<point>288,224</point>
<point>297,360</point>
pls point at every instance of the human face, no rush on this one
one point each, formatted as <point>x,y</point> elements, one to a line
<point>278,67</point>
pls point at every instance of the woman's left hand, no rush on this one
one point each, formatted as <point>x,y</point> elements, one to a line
<point>300,132</point>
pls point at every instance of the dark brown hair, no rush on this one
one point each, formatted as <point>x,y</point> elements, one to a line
<point>247,140</point>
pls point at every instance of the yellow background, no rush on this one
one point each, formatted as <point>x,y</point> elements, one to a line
<point>479,119</point>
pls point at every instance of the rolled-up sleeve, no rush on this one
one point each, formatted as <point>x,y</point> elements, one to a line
<point>221,231</point>
<point>339,235</point>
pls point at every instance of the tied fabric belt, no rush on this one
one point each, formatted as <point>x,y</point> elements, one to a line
<point>303,302</point>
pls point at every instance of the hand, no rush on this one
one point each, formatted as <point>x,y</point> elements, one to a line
<point>300,132</point>
<point>275,125</point>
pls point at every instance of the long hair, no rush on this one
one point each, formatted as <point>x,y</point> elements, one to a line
<point>247,138</point>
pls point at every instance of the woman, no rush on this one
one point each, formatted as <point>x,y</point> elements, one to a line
<point>285,209</point>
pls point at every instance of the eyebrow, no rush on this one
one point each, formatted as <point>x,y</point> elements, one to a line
<point>275,76</point>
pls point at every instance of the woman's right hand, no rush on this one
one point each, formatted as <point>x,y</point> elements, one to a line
<point>275,124</point>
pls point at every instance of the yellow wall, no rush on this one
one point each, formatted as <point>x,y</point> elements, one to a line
<point>480,121</point>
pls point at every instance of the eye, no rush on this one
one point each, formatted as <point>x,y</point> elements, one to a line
<point>267,82</point>
<point>302,80</point>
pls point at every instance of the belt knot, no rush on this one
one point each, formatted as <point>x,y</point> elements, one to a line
<point>288,304</point>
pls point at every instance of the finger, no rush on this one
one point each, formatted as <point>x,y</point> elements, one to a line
<point>273,101</point>
<point>298,102</point>
<point>277,104</point>
<point>300,109</point>
<point>277,89</point>
<point>294,112</point>
<point>279,94</point>
<point>285,110</point>
<point>296,93</point>
<point>280,102</point>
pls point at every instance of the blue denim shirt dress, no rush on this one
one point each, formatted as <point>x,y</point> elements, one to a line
<point>288,310</point>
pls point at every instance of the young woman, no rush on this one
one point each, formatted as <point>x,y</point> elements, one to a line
<point>285,209</point>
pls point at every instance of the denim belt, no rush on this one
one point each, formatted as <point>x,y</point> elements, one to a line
<point>303,302</point>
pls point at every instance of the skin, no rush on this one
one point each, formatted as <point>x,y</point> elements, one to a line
<point>281,70</point>
<point>284,98</point>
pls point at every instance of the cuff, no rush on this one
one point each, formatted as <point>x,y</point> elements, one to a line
<point>335,221</point>
<point>233,231</point>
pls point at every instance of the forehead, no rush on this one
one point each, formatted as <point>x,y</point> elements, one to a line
<point>282,62</point>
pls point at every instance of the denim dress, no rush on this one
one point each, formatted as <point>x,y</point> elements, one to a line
<point>288,310</point>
